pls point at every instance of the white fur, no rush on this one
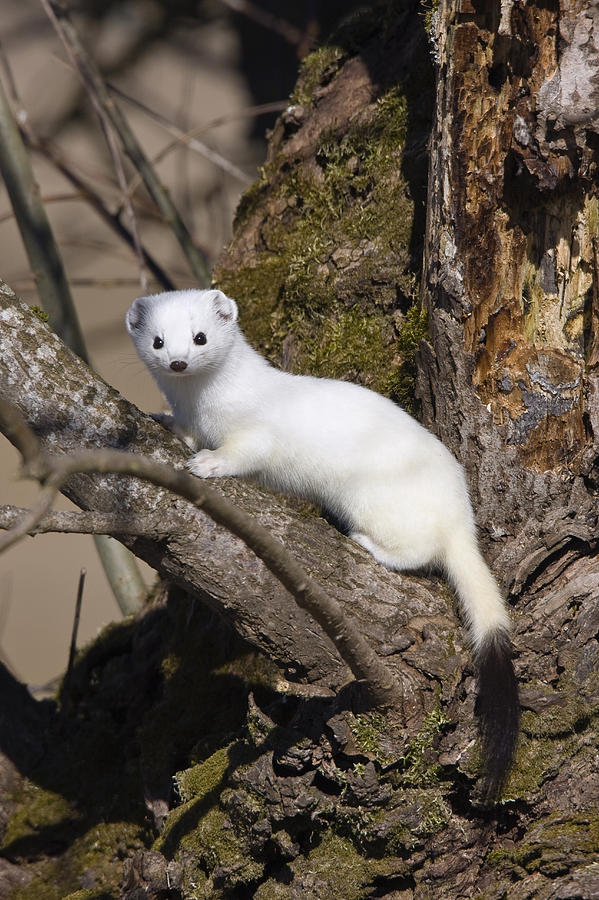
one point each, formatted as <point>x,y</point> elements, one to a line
<point>396,488</point>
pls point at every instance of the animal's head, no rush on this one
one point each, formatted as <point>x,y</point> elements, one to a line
<point>182,333</point>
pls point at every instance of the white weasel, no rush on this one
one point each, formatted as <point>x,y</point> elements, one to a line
<point>393,486</point>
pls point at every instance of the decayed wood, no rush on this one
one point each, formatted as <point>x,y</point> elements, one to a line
<point>510,268</point>
<point>509,382</point>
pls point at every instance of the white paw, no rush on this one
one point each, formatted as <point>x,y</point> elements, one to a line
<point>206,464</point>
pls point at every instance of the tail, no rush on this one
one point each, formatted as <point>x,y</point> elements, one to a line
<point>497,704</point>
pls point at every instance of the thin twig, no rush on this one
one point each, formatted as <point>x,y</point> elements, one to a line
<point>187,138</point>
<point>78,522</point>
<point>90,76</point>
<point>8,76</point>
<point>47,200</point>
<point>32,516</point>
<point>75,630</point>
<point>87,193</point>
<point>55,294</point>
<point>190,136</point>
<point>107,130</point>
<point>24,284</point>
<point>41,248</point>
<point>248,112</point>
<point>262,17</point>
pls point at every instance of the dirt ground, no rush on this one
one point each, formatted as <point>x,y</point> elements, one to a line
<point>192,78</point>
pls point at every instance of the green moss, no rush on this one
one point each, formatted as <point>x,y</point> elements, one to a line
<point>341,871</point>
<point>430,9</point>
<point>426,814</point>
<point>346,346</point>
<point>572,715</point>
<point>140,697</point>
<point>89,895</point>
<point>40,313</point>
<point>316,70</point>
<point>203,778</point>
<point>203,835</point>
<point>413,330</point>
<point>38,809</point>
<point>205,680</point>
<point>420,765</point>
<point>368,729</point>
<point>96,854</point>
<point>317,280</point>
<point>553,845</point>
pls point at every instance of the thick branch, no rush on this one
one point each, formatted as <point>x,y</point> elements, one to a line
<point>54,472</point>
<point>70,409</point>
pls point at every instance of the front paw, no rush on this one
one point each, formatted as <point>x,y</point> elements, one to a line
<point>207,464</point>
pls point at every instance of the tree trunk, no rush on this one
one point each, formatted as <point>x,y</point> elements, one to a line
<point>317,797</point>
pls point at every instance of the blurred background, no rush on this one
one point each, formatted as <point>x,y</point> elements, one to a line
<point>219,71</point>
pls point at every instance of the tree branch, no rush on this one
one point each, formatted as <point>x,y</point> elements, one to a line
<point>75,522</point>
<point>71,409</point>
<point>94,83</point>
<point>30,518</point>
<point>95,200</point>
<point>54,472</point>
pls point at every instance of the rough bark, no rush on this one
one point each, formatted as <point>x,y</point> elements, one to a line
<point>301,800</point>
<point>509,379</point>
<point>70,408</point>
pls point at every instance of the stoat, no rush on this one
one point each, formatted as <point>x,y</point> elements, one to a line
<point>393,486</point>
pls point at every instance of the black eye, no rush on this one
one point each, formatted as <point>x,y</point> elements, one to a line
<point>200,338</point>
<point>158,343</point>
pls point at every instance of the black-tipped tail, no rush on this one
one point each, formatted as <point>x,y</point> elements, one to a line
<point>497,708</point>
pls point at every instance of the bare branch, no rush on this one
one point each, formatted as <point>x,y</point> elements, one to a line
<point>262,17</point>
<point>187,138</point>
<point>36,232</point>
<point>55,294</point>
<point>248,112</point>
<point>30,519</point>
<point>70,408</point>
<point>96,86</point>
<point>76,522</point>
<point>86,194</point>
<point>107,130</point>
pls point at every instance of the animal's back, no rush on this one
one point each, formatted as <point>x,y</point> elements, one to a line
<point>366,461</point>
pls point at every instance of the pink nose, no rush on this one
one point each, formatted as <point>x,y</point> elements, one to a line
<point>178,365</point>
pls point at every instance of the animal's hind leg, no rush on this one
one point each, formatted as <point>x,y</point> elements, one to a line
<point>410,558</point>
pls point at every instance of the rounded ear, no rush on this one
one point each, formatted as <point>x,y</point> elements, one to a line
<point>224,306</point>
<point>136,314</point>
